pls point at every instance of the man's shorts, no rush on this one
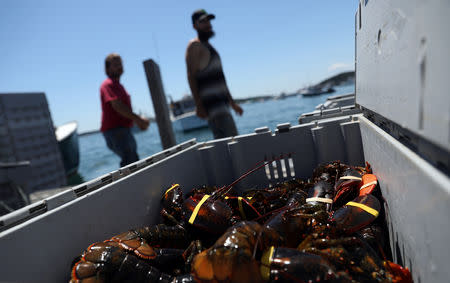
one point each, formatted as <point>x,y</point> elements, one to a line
<point>122,143</point>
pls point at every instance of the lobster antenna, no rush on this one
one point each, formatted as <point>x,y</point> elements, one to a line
<point>225,190</point>
<point>228,188</point>
<point>271,212</point>
<point>249,204</point>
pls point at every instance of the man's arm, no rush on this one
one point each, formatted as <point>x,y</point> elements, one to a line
<point>192,64</point>
<point>238,109</point>
<point>233,104</point>
<point>126,112</point>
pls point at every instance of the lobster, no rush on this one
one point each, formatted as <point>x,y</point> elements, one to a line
<point>303,214</point>
<point>300,232</point>
<point>344,178</point>
<point>349,254</point>
<point>266,201</point>
<point>209,213</point>
<point>330,169</point>
<point>290,226</point>
<point>397,273</point>
<point>108,262</point>
<point>293,224</point>
<point>358,259</point>
<point>321,194</point>
<point>356,214</point>
<point>196,212</point>
<point>346,187</point>
<point>351,184</point>
<point>279,264</point>
<point>115,259</point>
<point>230,259</point>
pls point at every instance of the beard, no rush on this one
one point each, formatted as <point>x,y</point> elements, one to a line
<point>114,74</point>
<point>205,35</point>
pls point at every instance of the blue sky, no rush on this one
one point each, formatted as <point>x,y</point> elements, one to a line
<point>267,47</point>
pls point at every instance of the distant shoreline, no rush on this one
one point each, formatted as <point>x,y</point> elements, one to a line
<point>343,78</point>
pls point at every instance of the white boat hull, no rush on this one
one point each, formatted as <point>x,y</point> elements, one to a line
<point>67,138</point>
<point>188,122</point>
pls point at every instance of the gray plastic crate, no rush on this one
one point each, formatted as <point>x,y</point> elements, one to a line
<point>65,224</point>
<point>27,134</point>
<point>328,113</point>
<point>403,65</point>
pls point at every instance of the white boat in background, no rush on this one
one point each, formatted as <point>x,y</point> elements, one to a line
<point>67,138</point>
<point>337,101</point>
<point>183,117</point>
<point>315,90</point>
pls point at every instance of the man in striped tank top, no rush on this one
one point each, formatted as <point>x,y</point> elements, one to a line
<point>207,81</point>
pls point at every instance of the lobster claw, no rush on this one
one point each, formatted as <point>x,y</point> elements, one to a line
<point>321,193</point>
<point>368,184</point>
<point>290,265</point>
<point>346,187</point>
<point>357,214</point>
<point>397,272</point>
<point>172,203</point>
<point>211,216</point>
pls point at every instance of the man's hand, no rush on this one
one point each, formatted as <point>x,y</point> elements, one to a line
<point>142,122</point>
<point>201,112</point>
<point>237,108</point>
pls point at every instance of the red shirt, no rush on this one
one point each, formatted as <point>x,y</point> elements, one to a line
<point>111,90</point>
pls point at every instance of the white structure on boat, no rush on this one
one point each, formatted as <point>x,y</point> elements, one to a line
<point>182,114</point>
<point>67,138</point>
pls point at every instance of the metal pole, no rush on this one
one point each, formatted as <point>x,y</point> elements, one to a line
<point>159,103</point>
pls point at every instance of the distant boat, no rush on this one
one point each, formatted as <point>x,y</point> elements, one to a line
<point>183,116</point>
<point>337,101</point>
<point>284,95</point>
<point>67,138</point>
<point>316,90</point>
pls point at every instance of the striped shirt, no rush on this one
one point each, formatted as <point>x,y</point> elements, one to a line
<point>212,86</point>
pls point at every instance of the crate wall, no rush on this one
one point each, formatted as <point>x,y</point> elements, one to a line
<point>300,147</point>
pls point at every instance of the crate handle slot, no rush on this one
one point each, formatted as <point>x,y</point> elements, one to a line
<point>283,168</point>
<point>291,166</point>
<point>267,169</point>
<point>275,169</point>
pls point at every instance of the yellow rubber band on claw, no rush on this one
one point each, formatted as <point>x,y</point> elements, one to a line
<point>364,207</point>
<point>266,260</point>
<point>239,197</point>
<point>350,178</point>
<point>171,188</point>
<point>318,199</point>
<point>197,208</point>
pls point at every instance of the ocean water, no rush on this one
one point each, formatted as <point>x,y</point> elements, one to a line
<point>96,159</point>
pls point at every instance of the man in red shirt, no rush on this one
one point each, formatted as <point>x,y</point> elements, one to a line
<point>117,113</point>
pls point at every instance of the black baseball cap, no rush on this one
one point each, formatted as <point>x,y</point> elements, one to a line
<point>200,15</point>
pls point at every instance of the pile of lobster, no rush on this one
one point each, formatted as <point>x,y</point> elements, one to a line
<point>327,229</point>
